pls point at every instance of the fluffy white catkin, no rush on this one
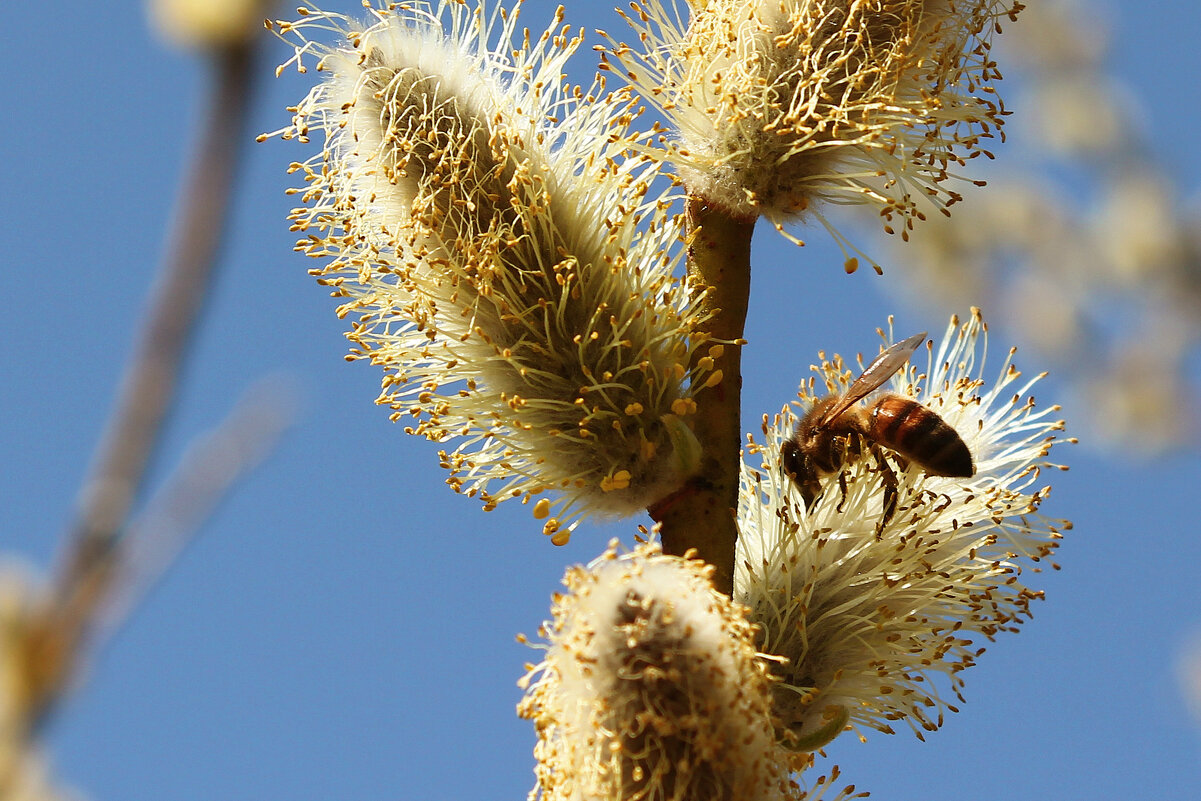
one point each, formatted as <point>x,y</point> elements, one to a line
<point>781,106</point>
<point>877,615</point>
<point>501,256</point>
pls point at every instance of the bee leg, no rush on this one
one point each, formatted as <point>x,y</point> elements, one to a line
<point>842,485</point>
<point>811,490</point>
<point>889,479</point>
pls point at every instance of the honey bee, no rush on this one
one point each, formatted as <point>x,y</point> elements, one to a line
<point>832,432</point>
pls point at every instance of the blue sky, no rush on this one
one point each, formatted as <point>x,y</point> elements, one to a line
<point>344,627</point>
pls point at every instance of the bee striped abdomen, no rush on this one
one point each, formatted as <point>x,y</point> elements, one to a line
<point>915,432</point>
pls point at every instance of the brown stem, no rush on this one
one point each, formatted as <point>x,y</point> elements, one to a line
<point>148,388</point>
<point>703,515</point>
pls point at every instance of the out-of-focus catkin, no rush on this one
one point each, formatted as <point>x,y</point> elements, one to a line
<point>209,24</point>
<point>30,667</point>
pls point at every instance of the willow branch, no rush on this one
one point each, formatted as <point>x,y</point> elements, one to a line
<point>704,516</point>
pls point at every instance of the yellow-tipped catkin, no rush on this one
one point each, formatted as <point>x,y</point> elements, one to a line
<point>499,255</point>
<point>877,614</point>
<point>782,105</point>
<point>652,688</point>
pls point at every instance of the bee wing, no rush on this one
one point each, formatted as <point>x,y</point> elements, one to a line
<point>879,371</point>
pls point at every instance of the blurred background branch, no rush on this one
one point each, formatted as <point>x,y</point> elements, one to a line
<point>148,389</point>
<point>108,561</point>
